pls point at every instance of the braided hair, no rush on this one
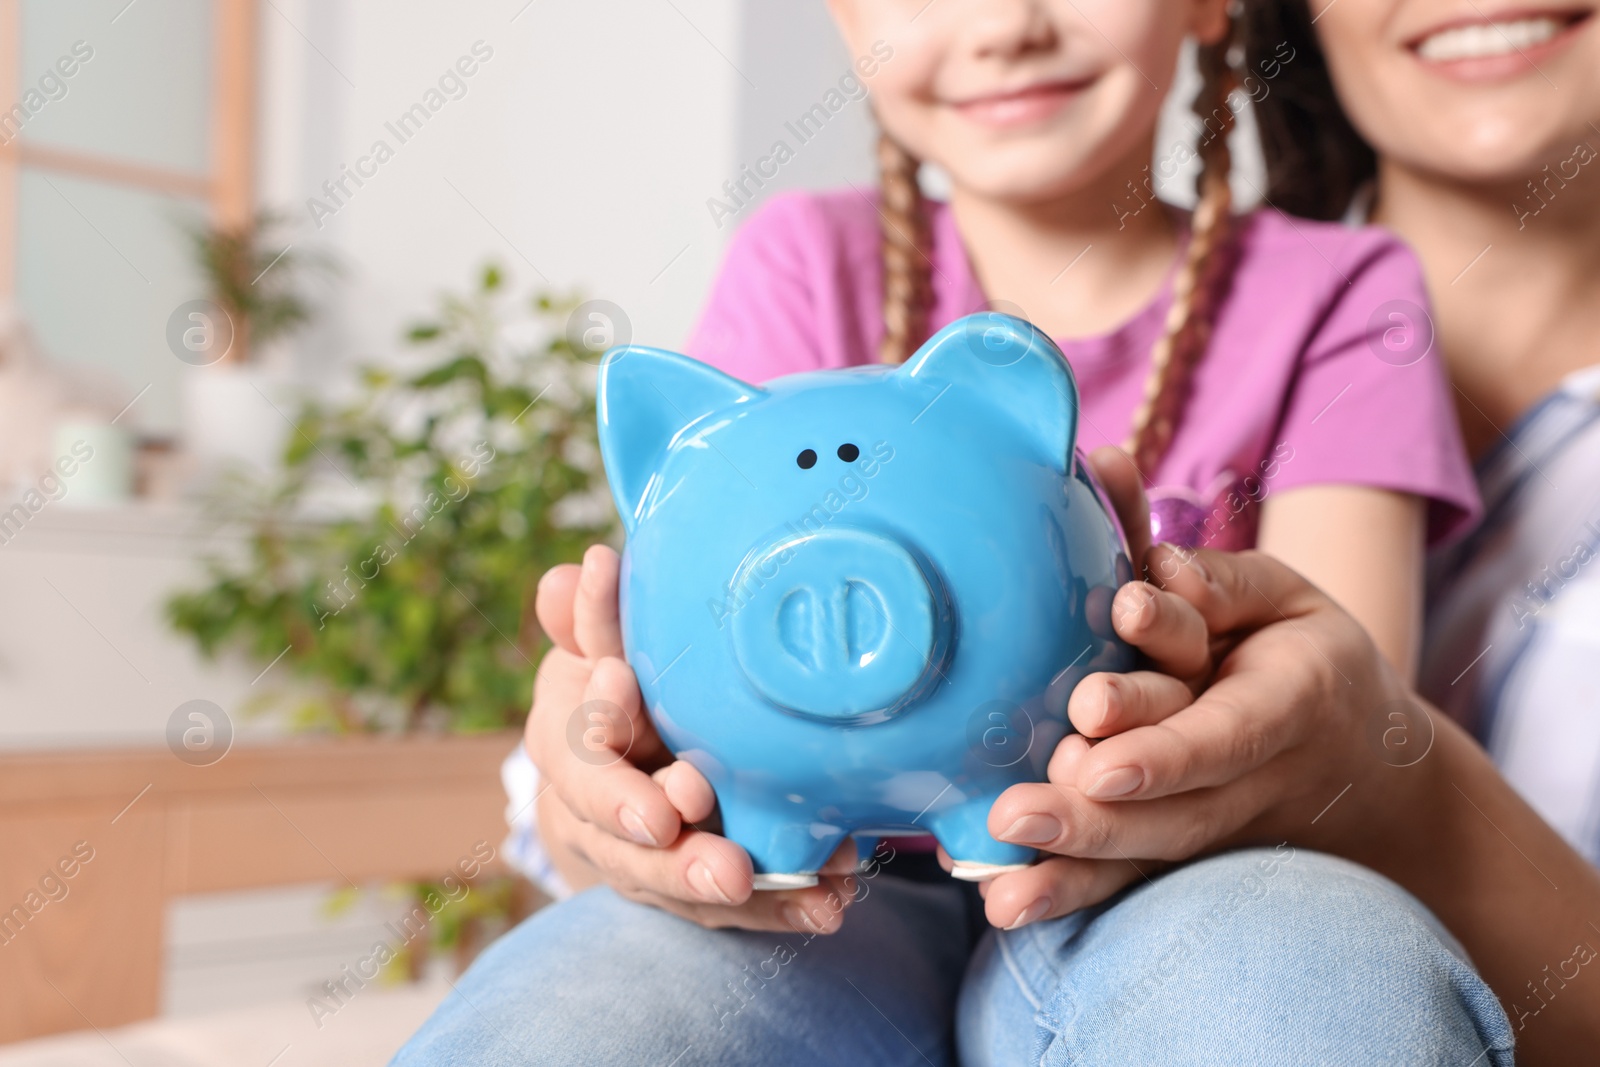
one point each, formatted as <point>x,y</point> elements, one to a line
<point>907,246</point>
<point>1200,278</point>
<point>907,268</point>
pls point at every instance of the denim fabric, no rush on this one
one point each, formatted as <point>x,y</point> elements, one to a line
<point>1256,957</point>
<point>1253,957</point>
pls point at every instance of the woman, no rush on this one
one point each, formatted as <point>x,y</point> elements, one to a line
<point>1473,140</point>
<point>1469,133</point>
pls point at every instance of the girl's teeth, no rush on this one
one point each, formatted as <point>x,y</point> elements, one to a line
<point>1494,39</point>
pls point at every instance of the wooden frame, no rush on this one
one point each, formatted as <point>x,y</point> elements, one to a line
<point>229,187</point>
<point>10,81</point>
<point>110,171</point>
<point>233,120</point>
<point>352,811</point>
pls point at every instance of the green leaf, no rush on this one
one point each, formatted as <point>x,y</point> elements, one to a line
<point>470,367</point>
<point>377,637</point>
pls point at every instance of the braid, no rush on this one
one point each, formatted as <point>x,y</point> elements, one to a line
<point>1201,276</point>
<point>907,275</point>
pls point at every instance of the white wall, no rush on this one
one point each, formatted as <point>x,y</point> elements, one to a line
<point>793,55</point>
<point>580,156</point>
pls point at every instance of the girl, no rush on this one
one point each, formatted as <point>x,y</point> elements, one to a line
<point>1241,359</point>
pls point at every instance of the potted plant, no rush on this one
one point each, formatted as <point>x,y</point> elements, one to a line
<point>391,561</point>
<point>233,389</point>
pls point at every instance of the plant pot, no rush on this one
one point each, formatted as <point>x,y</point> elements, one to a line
<point>237,416</point>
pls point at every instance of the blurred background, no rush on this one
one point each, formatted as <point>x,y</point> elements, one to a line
<point>300,302</point>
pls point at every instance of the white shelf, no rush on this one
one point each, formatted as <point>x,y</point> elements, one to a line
<point>86,655</point>
<point>138,528</point>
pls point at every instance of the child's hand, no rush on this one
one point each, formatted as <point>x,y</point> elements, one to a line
<point>1260,756</point>
<point>602,816</point>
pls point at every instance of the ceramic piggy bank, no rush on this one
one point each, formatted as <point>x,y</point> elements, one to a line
<point>857,600</point>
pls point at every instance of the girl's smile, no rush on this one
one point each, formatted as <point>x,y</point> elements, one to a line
<point>1029,106</point>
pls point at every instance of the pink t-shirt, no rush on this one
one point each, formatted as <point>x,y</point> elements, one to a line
<point>1292,390</point>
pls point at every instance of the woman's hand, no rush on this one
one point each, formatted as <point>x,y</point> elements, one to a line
<point>602,812</point>
<point>1265,706</point>
<point>1306,736</point>
<point>1302,711</point>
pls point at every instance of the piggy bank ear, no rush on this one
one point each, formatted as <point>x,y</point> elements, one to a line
<point>1009,362</point>
<point>644,398</point>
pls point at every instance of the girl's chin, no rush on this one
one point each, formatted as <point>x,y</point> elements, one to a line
<point>1012,187</point>
<point>1035,169</point>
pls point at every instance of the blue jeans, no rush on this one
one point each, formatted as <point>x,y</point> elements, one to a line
<point>1252,957</point>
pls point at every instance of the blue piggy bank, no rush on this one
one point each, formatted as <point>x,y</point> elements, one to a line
<point>858,600</point>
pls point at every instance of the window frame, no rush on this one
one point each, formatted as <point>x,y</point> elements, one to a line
<point>228,188</point>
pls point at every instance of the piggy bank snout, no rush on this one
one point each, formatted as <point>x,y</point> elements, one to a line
<point>842,624</point>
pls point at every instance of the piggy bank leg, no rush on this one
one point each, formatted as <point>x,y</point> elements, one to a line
<point>963,830</point>
<point>786,848</point>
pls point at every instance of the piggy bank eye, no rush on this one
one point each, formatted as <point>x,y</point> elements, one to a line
<point>849,452</point>
<point>806,459</point>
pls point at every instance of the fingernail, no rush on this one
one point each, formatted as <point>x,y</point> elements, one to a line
<point>1133,602</point>
<point>1033,830</point>
<point>1117,783</point>
<point>636,828</point>
<point>1032,913</point>
<point>1110,700</point>
<point>797,919</point>
<point>1187,557</point>
<point>705,883</point>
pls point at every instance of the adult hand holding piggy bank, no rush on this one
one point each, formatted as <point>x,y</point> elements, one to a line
<point>858,600</point>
